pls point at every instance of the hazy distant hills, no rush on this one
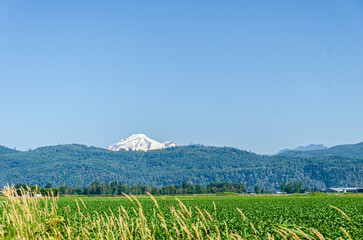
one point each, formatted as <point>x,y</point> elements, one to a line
<point>311,147</point>
<point>79,165</point>
<point>348,150</point>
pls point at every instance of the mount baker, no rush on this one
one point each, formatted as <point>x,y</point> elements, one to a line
<point>139,142</point>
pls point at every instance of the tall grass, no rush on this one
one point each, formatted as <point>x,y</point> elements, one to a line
<point>37,218</point>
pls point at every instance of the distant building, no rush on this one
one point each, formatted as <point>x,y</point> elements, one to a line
<point>342,190</point>
<point>30,194</point>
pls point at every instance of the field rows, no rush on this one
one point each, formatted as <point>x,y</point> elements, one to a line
<point>184,217</point>
<point>265,212</point>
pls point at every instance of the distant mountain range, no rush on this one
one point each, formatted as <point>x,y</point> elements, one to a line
<point>140,142</point>
<point>78,165</point>
<point>347,150</point>
<point>310,147</point>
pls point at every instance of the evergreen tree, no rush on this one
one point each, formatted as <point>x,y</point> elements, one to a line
<point>257,189</point>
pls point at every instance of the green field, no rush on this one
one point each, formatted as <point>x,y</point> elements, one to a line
<point>264,214</point>
<point>264,211</point>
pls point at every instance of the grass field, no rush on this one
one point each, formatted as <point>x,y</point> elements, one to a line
<point>265,216</point>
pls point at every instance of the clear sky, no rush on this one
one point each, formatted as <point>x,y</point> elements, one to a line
<point>256,75</point>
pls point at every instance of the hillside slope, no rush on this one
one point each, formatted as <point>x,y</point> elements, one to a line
<point>79,165</point>
<point>5,150</point>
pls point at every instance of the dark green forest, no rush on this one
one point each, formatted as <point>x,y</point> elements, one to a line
<point>4,150</point>
<point>119,188</point>
<point>78,165</point>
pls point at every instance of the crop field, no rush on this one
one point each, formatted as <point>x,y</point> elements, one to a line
<point>265,212</point>
<point>206,217</point>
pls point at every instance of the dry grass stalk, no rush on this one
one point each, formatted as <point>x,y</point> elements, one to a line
<point>280,233</point>
<point>346,233</point>
<point>343,213</point>
<point>254,229</point>
<point>291,232</point>
<point>318,234</point>
<point>244,218</point>
<point>303,233</point>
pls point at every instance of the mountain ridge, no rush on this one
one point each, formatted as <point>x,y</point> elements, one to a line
<point>76,164</point>
<point>344,150</point>
<point>310,147</point>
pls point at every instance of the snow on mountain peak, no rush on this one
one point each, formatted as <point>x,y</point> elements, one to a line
<point>141,142</point>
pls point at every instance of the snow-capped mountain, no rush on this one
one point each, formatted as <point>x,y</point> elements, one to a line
<point>140,142</point>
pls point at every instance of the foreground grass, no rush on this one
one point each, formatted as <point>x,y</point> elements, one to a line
<point>186,217</point>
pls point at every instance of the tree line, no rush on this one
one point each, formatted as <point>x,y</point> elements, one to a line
<point>118,188</point>
<point>293,187</point>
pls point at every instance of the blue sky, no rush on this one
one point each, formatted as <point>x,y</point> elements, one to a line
<point>256,75</point>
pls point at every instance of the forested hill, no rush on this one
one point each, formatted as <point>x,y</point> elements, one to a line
<point>76,165</point>
<point>348,150</point>
<point>6,150</point>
